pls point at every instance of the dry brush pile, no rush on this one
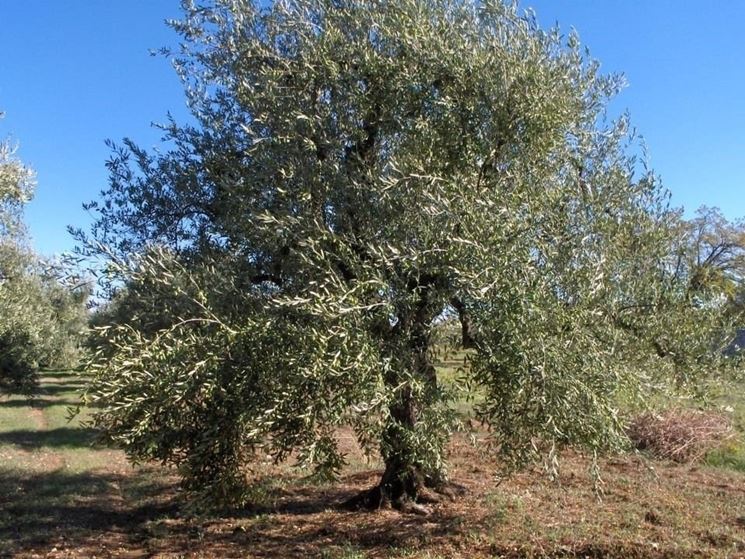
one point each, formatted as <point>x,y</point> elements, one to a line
<point>682,435</point>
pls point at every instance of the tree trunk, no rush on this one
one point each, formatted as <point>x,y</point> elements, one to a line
<point>405,482</point>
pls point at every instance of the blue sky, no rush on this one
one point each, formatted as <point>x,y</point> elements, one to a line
<point>76,72</point>
<point>72,74</point>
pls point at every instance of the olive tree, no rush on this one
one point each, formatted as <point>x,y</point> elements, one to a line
<point>714,253</point>
<point>356,173</point>
<point>16,188</point>
<point>16,184</point>
<point>709,264</point>
<point>42,314</point>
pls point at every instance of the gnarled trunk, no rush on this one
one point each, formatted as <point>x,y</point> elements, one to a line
<point>405,482</point>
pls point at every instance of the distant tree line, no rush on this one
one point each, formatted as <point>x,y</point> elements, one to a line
<point>43,312</point>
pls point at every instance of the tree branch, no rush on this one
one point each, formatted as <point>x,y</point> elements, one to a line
<point>467,337</point>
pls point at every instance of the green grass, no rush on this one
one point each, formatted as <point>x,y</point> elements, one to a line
<point>14,414</point>
<point>39,431</point>
<point>732,454</point>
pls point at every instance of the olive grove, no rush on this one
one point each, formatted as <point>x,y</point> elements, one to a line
<point>42,314</point>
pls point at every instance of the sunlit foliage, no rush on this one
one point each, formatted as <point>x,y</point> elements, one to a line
<point>356,173</point>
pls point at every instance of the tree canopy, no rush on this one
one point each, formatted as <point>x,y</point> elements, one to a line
<point>357,174</point>
<point>42,316</point>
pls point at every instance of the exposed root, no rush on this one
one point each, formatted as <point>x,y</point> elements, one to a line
<point>375,499</point>
<point>407,489</point>
<point>427,493</point>
<point>370,499</point>
<point>411,507</point>
<point>441,487</point>
<point>428,496</point>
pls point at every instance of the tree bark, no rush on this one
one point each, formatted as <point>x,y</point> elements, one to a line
<point>405,482</point>
<point>467,340</point>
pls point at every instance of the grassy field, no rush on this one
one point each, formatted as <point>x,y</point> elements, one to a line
<point>62,497</point>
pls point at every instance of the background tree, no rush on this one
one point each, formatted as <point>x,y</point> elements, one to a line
<point>356,172</point>
<point>42,314</point>
<point>695,302</point>
<point>16,183</point>
<point>713,256</point>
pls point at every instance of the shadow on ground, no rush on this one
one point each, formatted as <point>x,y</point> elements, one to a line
<point>58,508</point>
<point>62,389</point>
<point>68,374</point>
<point>140,514</point>
<point>37,403</point>
<point>62,437</point>
<point>301,519</point>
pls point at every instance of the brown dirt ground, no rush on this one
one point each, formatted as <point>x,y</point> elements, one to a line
<point>649,509</point>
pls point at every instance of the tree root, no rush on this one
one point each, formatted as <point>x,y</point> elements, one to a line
<point>375,499</point>
<point>370,499</point>
<point>428,493</point>
<point>410,507</point>
<point>442,488</point>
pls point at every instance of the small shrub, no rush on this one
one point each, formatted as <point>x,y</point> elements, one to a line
<point>730,456</point>
<point>680,435</point>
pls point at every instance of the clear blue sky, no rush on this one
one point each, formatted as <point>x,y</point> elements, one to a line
<point>75,72</point>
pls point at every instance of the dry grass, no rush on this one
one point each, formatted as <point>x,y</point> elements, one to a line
<point>682,435</point>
